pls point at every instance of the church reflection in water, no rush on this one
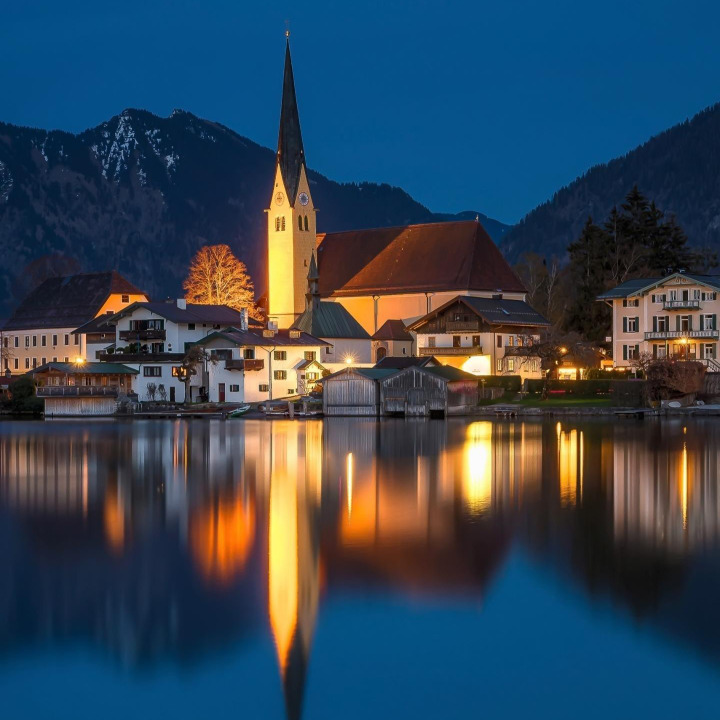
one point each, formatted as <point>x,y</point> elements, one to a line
<point>164,540</point>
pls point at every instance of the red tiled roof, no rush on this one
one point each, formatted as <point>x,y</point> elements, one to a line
<point>447,256</point>
<point>392,330</point>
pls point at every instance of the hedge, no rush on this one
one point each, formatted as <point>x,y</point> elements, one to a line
<point>509,383</point>
<point>587,388</point>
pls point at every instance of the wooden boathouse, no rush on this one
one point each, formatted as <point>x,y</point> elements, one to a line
<point>353,391</point>
<point>424,391</point>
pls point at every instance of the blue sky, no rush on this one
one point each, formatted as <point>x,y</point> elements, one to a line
<point>490,106</point>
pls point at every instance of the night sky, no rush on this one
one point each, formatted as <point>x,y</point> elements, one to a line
<point>490,106</point>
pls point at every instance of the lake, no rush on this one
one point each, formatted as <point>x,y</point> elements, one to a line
<point>356,568</point>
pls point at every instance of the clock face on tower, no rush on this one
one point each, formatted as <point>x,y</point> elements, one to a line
<point>279,198</point>
<point>303,198</point>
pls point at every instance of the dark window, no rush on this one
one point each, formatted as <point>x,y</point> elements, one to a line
<point>299,222</point>
<point>306,222</point>
<point>263,388</point>
<point>43,340</point>
<point>282,222</point>
<point>34,340</point>
<point>54,340</point>
<point>499,340</point>
<point>17,364</point>
<point>310,355</point>
<point>249,353</point>
<point>280,355</point>
<point>125,298</point>
<point>191,326</point>
<point>17,340</point>
<point>234,388</point>
<point>456,340</point>
<point>76,339</point>
<point>67,339</point>
<point>476,340</point>
<point>280,375</point>
<point>43,361</point>
<point>152,371</point>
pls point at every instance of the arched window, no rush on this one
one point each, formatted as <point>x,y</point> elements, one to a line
<point>282,222</point>
<point>299,222</point>
<point>306,223</point>
<point>277,223</point>
<point>380,354</point>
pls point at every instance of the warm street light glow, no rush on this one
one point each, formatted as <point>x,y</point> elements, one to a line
<point>563,350</point>
<point>79,361</point>
<point>349,359</point>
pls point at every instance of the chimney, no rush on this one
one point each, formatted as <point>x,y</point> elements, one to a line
<point>181,303</point>
<point>244,319</point>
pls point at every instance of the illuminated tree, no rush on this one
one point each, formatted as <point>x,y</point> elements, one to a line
<point>6,352</point>
<point>217,277</point>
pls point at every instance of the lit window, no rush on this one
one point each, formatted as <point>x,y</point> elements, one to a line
<point>280,355</point>
<point>310,355</point>
<point>511,364</point>
<point>280,375</point>
<point>249,353</point>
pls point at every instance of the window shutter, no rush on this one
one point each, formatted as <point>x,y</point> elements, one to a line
<point>637,351</point>
<point>714,322</point>
<point>654,323</point>
<point>702,322</point>
<point>637,324</point>
<point>624,324</point>
<point>677,323</point>
<point>625,347</point>
<point>655,347</point>
<point>690,322</point>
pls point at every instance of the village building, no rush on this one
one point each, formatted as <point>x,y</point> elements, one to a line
<point>353,391</point>
<point>393,362</point>
<point>41,328</point>
<point>440,390</point>
<point>673,316</point>
<point>481,335</point>
<point>378,275</point>
<point>348,343</point>
<point>252,365</point>
<point>153,338</point>
<point>82,388</point>
<point>392,339</point>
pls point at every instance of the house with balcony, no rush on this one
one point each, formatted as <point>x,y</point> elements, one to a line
<point>41,330</point>
<point>153,338</point>
<point>674,316</point>
<point>256,364</point>
<point>482,335</point>
<point>83,388</point>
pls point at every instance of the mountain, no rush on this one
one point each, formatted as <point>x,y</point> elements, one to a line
<point>140,194</point>
<point>678,169</point>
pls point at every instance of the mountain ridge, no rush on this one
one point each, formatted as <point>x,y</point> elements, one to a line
<point>140,193</point>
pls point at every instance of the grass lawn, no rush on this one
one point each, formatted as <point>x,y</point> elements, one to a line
<point>565,402</point>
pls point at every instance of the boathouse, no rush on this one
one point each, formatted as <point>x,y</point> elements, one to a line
<point>82,388</point>
<point>424,391</point>
<point>353,391</point>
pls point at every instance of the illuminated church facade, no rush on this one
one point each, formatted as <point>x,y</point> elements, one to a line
<point>381,274</point>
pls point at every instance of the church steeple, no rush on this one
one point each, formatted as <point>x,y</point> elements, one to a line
<point>290,152</point>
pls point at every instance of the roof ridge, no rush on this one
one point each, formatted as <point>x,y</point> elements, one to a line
<point>403,227</point>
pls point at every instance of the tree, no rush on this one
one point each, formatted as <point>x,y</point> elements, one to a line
<point>6,352</point>
<point>194,357</point>
<point>217,277</point>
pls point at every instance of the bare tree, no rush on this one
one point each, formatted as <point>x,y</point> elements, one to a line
<point>641,362</point>
<point>151,389</point>
<point>194,358</point>
<point>162,392</point>
<point>217,277</point>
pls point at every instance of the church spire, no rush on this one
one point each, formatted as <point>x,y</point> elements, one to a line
<point>290,153</point>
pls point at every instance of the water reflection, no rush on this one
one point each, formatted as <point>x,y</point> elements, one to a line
<point>168,540</point>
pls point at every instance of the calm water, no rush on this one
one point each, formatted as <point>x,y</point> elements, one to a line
<point>355,569</point>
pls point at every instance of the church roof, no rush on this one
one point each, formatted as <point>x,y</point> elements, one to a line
<point>290,152</point>
<point>329,320</point>
<point>68,302</point>
<point>446,256</point>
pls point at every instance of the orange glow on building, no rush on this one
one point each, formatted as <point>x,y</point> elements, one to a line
<point>221,538</point>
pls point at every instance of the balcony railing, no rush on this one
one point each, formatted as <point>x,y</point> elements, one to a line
<point>681,304</point>
<point>140,357</point>
<point>451,325</point>
<point>677,334</point>
<point>147,334</point>
<point>252,365</point>
<point>79,391</point>
<point>466,350</point>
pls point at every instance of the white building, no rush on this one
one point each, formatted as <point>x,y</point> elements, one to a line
<point>483,336</point>
<point>251,365</point>
<point>153,338</point>
<point>674,316</point>
<point>41,329</point>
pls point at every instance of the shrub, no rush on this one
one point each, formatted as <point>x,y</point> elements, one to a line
<point>509,383</point>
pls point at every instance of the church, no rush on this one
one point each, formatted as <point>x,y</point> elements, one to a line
<point>363,279</point>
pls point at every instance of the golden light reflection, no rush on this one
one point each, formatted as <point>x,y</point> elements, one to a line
<point>349,476</point>
<point>221,538</point>
<point>570,464</point>
<point>477,478</point>
<point>114,521</point>
<point>283,555</point>
<point>684,485</point>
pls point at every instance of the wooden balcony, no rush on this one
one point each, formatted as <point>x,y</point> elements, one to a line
<point>462,325</point>
<point>143,358</point>
<point>254,365</point>
<point>436,351</point>
<point>138,335</point>
<point>46,391</point>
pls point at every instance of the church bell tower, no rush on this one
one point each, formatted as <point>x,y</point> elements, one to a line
<point>291,215</point>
